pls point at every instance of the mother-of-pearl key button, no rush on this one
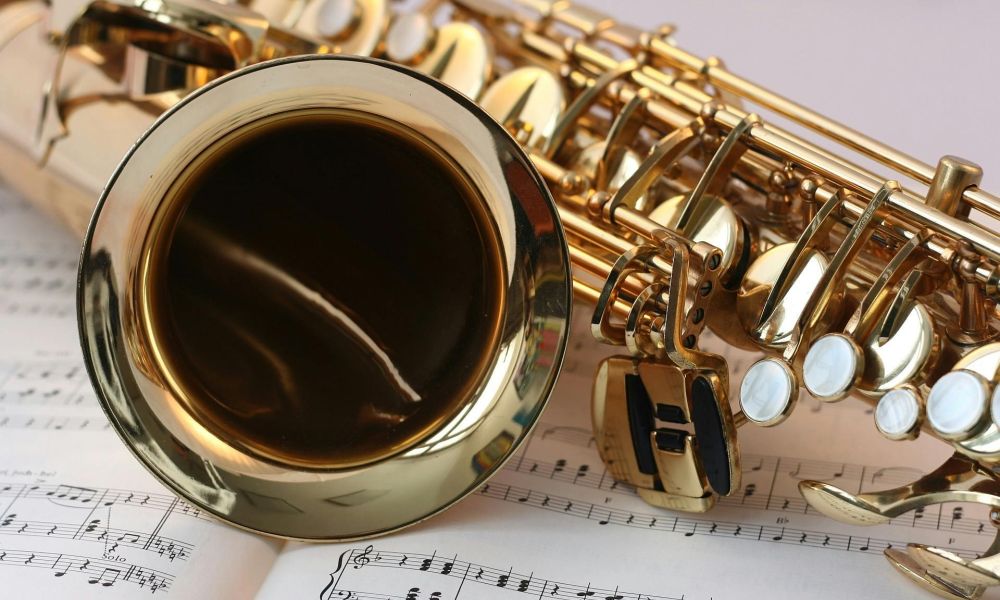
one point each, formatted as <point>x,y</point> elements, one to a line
<point>995,406</point>
<point>897,414</point>
<point>957,404</point>
<point>831,367</point>
<point>409,37</point>
<point>766,392</point>
<point>335,17</point>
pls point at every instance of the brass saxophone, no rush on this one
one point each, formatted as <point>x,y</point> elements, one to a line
<point>325,294</point>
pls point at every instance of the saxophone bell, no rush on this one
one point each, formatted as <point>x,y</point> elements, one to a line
<point>266,356</point>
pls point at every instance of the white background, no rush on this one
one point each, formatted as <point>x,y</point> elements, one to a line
<point>920,75</point>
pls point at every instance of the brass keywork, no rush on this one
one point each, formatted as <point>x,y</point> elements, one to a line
<point>684,468</point>
<point>771,384</point>
<point>325,294</point>
<point>959,479</point>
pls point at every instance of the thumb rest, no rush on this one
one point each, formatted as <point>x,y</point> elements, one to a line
<point>680,211</point>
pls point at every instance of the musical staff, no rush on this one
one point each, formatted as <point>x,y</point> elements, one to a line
<point>54,423</point>
<point>48,395</point>
<point>37,279</point>
<point>447,577</point>
<point>164,546</point>
<point>109,536</point>
<point>688,526</point>
<point>770,484</point>
<point>45,383</point>
<point>94,571</point>
<point>74,496</point>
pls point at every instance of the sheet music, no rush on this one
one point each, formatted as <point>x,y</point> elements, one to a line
<point>79,517</point>
<point>552,524</point>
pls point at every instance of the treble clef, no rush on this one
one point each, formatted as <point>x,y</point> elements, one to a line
<point>362,559</point>
<point>358,561</point>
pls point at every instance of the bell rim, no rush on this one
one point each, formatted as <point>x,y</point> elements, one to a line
<point>100,354</point>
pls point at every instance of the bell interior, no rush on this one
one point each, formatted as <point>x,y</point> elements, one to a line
<point>325,289</point>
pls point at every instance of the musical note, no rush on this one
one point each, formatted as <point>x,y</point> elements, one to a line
<point>107,578</point>
<point>50,517</point>
<point>379,586</point>
<point>67,564</point>
<point>425,564</point>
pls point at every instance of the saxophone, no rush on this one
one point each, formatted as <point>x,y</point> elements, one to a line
<point>326,292</point>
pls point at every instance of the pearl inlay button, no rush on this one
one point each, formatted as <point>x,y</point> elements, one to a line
<point>830,367</point>
<point>334,17</point>
<point>766,391</point>
<point>995,406</point>
<point>897,413</point>
<point>408,36</point>
<point>957,404</point>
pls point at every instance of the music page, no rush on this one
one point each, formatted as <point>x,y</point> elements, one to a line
<point>552,524</point>
<point>79,516</point>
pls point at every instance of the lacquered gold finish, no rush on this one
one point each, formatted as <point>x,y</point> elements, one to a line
<point>529,101</point>
<point>681,468</point>
<point>524,137</point>
<point>715,224</point>
<point>307,490</point>
<point>951,178</point>
<point>959,479</point>
<point>893,334</point>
